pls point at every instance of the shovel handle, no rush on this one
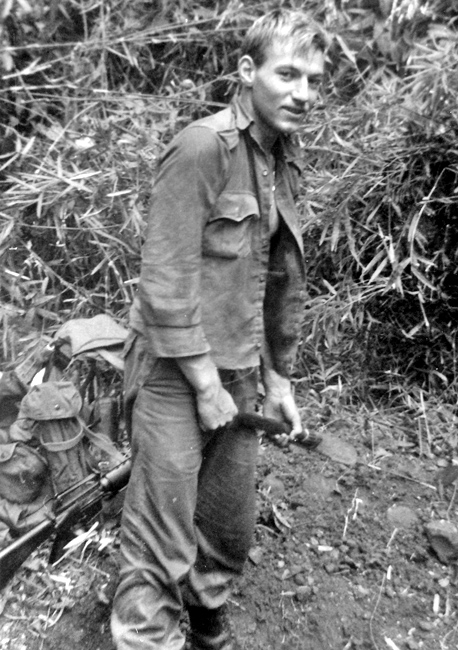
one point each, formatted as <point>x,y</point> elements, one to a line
<point>274,428</point>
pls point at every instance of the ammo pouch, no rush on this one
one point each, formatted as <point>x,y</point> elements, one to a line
<point>16,519</point>
<point>25,490</point>
<point>23,472</point>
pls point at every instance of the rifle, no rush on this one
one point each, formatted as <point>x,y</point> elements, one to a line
<point>84,506</point>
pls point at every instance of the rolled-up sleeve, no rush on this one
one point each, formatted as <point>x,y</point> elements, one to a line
<point>191,175</point>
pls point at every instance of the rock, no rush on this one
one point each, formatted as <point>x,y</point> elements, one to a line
<point>401,517</point>
<point>443,537</point>
<point>338,450</point>
<point>256,554</point>
<point>426,626</point>
<point>292,572</point>
<point>362,592</point>
<point>300,579</point>
<point>317,487</point>
<point>303,593</point>
<point>275,487</point>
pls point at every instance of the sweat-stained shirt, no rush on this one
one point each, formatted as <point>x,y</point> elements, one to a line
<point>212,278</point>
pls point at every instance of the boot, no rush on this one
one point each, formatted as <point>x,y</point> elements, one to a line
<point>210,629</point>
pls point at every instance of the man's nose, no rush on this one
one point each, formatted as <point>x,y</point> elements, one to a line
<point>301,91</point>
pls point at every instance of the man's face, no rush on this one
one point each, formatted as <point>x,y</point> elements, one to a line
<point>284,87</point>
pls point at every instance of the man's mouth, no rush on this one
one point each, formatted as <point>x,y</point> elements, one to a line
<point>297,112</point>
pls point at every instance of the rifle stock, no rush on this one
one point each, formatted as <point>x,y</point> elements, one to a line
<point>13,555</point>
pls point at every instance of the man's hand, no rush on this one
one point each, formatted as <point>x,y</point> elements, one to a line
<point>215,405</point>
<point>279,402</point>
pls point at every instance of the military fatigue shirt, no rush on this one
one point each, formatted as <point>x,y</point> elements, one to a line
<point>213,279</point>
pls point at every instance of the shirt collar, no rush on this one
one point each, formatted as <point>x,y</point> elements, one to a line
<point>244,119</point>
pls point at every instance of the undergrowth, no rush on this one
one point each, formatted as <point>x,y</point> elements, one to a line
<point>93,90</point>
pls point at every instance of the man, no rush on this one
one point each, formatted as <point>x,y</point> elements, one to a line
<point>220,302</point>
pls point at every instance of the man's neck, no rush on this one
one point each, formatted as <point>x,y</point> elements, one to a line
<point>265,137</point>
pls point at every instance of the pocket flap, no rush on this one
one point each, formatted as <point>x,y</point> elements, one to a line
<point>235,206</point>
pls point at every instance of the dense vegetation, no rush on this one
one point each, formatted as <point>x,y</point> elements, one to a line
<point>92,90</point>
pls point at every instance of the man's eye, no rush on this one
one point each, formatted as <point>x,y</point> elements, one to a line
<point>315,81</point>
<point>286,75</point>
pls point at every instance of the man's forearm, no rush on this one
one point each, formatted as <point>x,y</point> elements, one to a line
<point>200,371</point>
<point>271,379</point>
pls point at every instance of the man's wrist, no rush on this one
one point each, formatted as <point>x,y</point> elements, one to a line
<point>272,380</point>
<point>201,373</point>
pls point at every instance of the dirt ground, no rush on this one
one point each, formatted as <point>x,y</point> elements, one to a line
<point>340,559</point>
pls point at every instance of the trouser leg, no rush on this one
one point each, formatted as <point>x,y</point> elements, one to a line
<point>225,510</point>
<point>225,516</point>
<point>158,541</point>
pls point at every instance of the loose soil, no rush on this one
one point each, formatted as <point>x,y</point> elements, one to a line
<point>340,559</point>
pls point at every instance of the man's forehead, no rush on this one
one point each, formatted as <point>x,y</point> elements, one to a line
<point>293,51</point>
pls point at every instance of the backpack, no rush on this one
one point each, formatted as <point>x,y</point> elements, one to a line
<point>49,416</point>
<point>55,433</point>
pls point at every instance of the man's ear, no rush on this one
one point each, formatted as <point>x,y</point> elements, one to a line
<point>247,70</point>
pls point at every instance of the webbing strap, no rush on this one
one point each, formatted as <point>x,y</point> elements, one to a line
<point>64,445</point>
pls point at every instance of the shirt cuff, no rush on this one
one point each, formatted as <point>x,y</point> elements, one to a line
<point>177,342</point>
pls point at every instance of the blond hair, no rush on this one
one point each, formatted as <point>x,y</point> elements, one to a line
<point>282,25</point>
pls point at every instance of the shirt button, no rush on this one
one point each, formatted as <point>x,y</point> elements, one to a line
<point>265,172</point>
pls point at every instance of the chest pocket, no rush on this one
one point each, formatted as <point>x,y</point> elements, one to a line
<point>230,230</point>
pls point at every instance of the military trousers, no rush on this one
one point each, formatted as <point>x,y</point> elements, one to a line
<point>189,509</point>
